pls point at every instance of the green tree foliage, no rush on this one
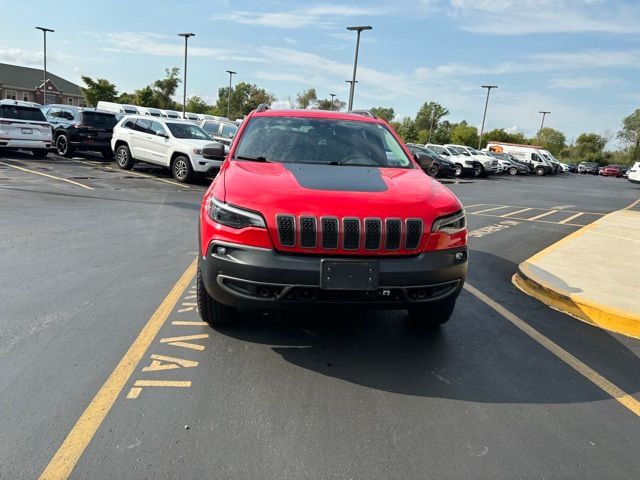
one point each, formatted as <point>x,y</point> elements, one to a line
<point>587,143</point>
<point>630,135</point>
<point>306,98</point>
<point>501,135</point>
<point>97,90</point>
<point>464,134</point>
<point>245,97</point>
<point>407,130</point>
<point>126,98</point>
<point>442,134</point>
<point>196,104</point>
<point>430,112</point>
<point>166,87</point>
<point>325,104</point>
<point>552,140</point>
<point>146,97</point>
<point>386,113</point>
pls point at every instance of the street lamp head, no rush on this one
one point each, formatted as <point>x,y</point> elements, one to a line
<point>545,113</point>
<point>360,28</point>
<point>44,29</point>
<point>186,35</point>
<point>489,86</point>
<point>231,72</point>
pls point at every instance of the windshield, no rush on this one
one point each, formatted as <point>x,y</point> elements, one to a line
<point>186,130</point>
<point>19,112</point>
<point>460,151</point>
<point>323,141</point>
<point>130,110</point>
<point>229,130</point>
<point>100,120</point>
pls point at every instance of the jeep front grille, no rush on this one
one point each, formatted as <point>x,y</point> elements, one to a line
<point>349,233</point>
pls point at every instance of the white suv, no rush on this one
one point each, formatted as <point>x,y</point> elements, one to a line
<point>176,144</point>
<point>23,125</point>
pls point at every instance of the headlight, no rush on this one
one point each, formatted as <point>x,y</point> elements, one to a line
<point>197,151</point>
<point>231,216</point>
<point>450,224</point>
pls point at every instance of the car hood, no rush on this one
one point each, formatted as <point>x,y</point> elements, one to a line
<point>340,191</point>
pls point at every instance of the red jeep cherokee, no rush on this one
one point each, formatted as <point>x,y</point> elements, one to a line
<point>322,207</point>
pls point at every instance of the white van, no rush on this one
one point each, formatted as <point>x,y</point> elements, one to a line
<point>193,117</point>
<point>528,154</point>
<point>170,114</point>
<point>634,173</point>
<point>152,112</point>
<point>117,108</point>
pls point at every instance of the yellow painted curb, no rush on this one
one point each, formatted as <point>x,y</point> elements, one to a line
<point>589,312</point>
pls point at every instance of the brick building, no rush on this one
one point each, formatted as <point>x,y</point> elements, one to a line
<point>24,83</point>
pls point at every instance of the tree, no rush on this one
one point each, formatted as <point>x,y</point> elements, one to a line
<point>166,87</point>
<point>407,130</point>
<point>386,113</point>
<point>98,89</point>
<point>306,98</point>
<point>146,97</point>
<point>552,140</point>
<point>126,98</point>
<point>587,143</point>
<point>464,134</point>
<point>630,134</point>
<point>430,113</point>
<point>196,104</point>
<point>442,134</point>
<point>325,104</point>
<point>245,97</point>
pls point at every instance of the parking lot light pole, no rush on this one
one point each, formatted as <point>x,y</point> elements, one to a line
<point>184,82</point>
<point>332,95</point>
<point>544,114</point>
<point>484,116</point>
<point>231,74</point>
<point>358,30</point>
<point>44,83</point>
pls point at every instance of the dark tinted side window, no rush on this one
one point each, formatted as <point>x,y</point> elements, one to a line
<point>99,119</point>
<point>129,124</point>
<point>19,112</point>
<point>211,127</point>
<point>142,125</point>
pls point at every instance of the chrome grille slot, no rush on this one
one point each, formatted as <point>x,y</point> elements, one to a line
<point>329,233</point>
<point>394,232</point>
<point>351,228</point>
<point>308,232</point>
<point>414,234</point>
<point>287,230</point>
<point>372,233</point>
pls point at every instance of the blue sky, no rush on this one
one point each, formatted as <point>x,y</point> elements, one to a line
<point>579,59</point>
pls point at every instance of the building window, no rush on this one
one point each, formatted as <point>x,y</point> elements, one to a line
<point>70,100</point>
<point>10,94</point>
<point>25,97</point>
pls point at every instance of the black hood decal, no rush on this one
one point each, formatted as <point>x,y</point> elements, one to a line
<point>338,178</point>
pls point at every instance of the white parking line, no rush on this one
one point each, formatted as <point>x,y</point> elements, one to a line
<point>78,184</point>
<point>516,212</point>
<point>491,209</point>
<point>566,220</point>
<point>542,215</point>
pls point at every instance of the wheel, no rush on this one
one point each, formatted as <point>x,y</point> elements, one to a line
<point>431,315</point>
<point>479,172</point>
<point>39,152</point>
<point>513,171</point>
<point>123,157</point>
<point>458,171</point>
<point>182,169</point>
<point>211,311</point>
<point>433,170</point>
<point>107,154</point>
<point>539,171</point>
<point>63,147</point>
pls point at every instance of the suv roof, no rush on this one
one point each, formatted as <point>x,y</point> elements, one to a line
<point>138,116</point>
<point>353,116</point>
<point>19,103</point>
<point>77,109</point>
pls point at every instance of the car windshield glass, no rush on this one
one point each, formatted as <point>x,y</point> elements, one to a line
<point>19,112</point>
<point>130,110</point>
<point>185,130</point>
<point>460,151</point>
<point>97,119</point>
<point>229,130</point>
<point>323,141</point>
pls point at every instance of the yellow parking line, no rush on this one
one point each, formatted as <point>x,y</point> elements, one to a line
<point>605,385</point>
<point>516,212</point>
<point>49,176</point>
<point>65,459</point>
<point>566,220</point>
<point>542,215</point>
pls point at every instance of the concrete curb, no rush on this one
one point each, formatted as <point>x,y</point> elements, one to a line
<point>600,316</point>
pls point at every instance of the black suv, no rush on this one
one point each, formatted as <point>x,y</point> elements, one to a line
<point>76,128</point>
<point>433,164</point>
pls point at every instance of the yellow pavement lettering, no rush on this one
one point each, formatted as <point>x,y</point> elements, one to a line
<point>605,385</point>
<point>188,323</point>
<point>171,363</point>
<point>76,441</point>
<point>140,384</point>
<point>78,184</point>
<point>183,341</point>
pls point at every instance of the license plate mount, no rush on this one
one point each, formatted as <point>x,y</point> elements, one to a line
<point>348,275</point>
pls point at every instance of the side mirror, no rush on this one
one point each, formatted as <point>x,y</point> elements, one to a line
<point>214,151</point>
<point>162,134</point>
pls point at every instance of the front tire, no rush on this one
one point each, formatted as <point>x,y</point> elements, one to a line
<point>458,170</point>
<point>513,171</point>
<point>182,170</point>
<point>433,170</point>
<point>63,147</point>
<point>123,157</point>
<point>212,311</point>
<point>431,315</point>
<point>39,152</point>
<point>539,171</point>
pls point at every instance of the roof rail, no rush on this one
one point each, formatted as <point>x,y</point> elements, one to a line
<point>364,113</point>
<point>262,107</point>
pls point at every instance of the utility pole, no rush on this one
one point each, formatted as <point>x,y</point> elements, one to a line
<point>544,114</point>
<point>184,82</point>
<point>44,82</point>
<point>231,74</point>
<point>332,95</point>
<point>484,116</point>
<point>433,117</point>
<point>358,30</point>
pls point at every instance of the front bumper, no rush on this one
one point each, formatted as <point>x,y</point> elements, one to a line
<point>205,165</point>
<point>255,277</point>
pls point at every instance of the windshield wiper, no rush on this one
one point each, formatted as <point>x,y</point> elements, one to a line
<point>335,162</point>
<point>259,158</point>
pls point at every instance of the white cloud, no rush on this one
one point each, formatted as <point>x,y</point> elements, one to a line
<point>576,83</point>
<point>322,15</point>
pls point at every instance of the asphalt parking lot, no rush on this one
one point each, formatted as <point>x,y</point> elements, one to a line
<point>93,259</point>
